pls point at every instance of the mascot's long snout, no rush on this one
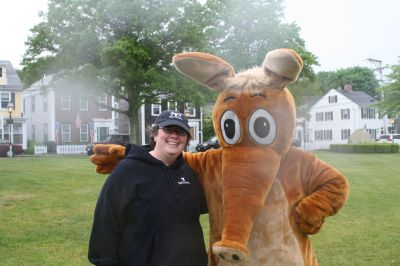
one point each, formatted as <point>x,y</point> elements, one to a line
<point>247,180</point>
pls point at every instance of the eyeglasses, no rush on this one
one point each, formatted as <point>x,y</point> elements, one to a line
<point>177,130</point>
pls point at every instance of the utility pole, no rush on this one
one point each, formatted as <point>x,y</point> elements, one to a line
<point>378,67</point>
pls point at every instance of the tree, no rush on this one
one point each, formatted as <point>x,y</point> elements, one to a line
<point>361,78</point>
<point>390,104</point>
<point>247,29</point>
<point>123,47</point>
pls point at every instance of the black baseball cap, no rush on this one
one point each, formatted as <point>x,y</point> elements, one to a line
<point>173,118</point>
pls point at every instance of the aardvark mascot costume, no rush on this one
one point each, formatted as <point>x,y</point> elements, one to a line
<point>264,196</point>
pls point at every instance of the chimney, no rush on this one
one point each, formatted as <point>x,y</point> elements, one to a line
<point>348,87</point>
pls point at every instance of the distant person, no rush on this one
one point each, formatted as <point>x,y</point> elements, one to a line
<point>149,207</point>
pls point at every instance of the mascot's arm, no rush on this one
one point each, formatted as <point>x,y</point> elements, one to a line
<point>326,192</point>
<point>106,157</point>
<point>206,164</point>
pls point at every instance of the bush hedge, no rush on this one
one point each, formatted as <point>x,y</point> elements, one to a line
<point>365,148</point>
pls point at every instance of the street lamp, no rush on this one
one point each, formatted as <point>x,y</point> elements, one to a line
<point>10,108</point>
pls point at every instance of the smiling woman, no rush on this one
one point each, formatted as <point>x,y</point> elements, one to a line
<point>149,208</point>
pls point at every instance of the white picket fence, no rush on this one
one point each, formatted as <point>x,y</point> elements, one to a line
<point>40,149</point>
<point>69,149</point>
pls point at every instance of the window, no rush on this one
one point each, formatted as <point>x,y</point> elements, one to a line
<point>372,132</point>
<point>345,134</point>
<point>328,116</point>
<point>45,103</point>
<point>102,100</point>
<point>115,113</point>
<point>319,134</point>
<point>173,106</point>
<point>371,113</point>
<point>323,135</point>
<point>5,99</point>
<point>190,111</point>
<point>45,132</point>
<point>368,113</point>
<point>345,114</point>
<point>364,113</point>
<point>33,132</point>
<point>66,132</point>
<point>83,103</point>
<point>84,133</point>
<point>327,134</point>
<point>332,99</point>
<point>155,109</point>
<point>319,116</point>
<point>65,102</point>
<point>33,104</point>
<point>17,133</point>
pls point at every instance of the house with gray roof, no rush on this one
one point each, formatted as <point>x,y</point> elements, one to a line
<point>11,92</point>
<point>337,114</point>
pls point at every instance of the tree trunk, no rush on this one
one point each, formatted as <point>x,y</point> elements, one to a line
<point>134,121</point>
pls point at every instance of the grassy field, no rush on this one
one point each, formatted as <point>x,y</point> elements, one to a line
<point>47,203</point>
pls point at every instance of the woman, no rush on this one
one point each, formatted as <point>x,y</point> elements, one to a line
<point>149,207</point>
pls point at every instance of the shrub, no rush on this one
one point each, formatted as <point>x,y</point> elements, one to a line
<point>30,147</point>
<point>365,148</point>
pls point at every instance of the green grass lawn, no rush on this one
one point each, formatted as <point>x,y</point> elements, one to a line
<point>47,203</point>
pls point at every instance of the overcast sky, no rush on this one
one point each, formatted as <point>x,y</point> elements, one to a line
<point>344,33</point>
<point>341,33</point>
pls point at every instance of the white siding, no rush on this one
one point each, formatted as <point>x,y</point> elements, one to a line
<point>337,124</point>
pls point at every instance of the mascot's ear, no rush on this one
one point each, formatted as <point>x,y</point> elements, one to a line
<point>204,68</point>
<point>280,67</point>
<point>283,66</point>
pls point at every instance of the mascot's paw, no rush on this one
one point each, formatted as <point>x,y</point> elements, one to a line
<point>106,157</point>
<point>307,221</point>
<point>230,251</point>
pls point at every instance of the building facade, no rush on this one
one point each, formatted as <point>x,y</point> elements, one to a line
<point>337,114</point>
<point>11,92</point>
<point>72,116</point>
<point>66,116</point>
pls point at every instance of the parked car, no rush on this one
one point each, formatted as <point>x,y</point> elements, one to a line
<point>212,143</point>
<point>389,138</point>
<point>110,139</point>
<point>5,148</point>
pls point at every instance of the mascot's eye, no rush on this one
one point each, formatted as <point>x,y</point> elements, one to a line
<point>230,127</point>
<point>262,127</point>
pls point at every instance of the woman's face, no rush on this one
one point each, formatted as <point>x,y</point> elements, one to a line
<point>170,141</point>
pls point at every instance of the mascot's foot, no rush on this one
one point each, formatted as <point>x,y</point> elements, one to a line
<point>231,251</point>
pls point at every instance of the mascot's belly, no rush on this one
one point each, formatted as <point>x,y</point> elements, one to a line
<point>272,241</point>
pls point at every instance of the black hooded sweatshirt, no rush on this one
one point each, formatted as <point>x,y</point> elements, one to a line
<point>148,214</point>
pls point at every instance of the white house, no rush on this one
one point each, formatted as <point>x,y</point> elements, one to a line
<point>337,114</point>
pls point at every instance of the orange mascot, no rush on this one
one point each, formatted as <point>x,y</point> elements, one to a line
<point>264,196</point>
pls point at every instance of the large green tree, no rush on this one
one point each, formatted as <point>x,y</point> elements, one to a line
<point>123,47</point>
<point>390,104</point>
<point>247,29</point>
<point>361,78</point>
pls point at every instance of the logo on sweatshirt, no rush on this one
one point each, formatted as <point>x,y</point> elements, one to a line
<point>183,181</point>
